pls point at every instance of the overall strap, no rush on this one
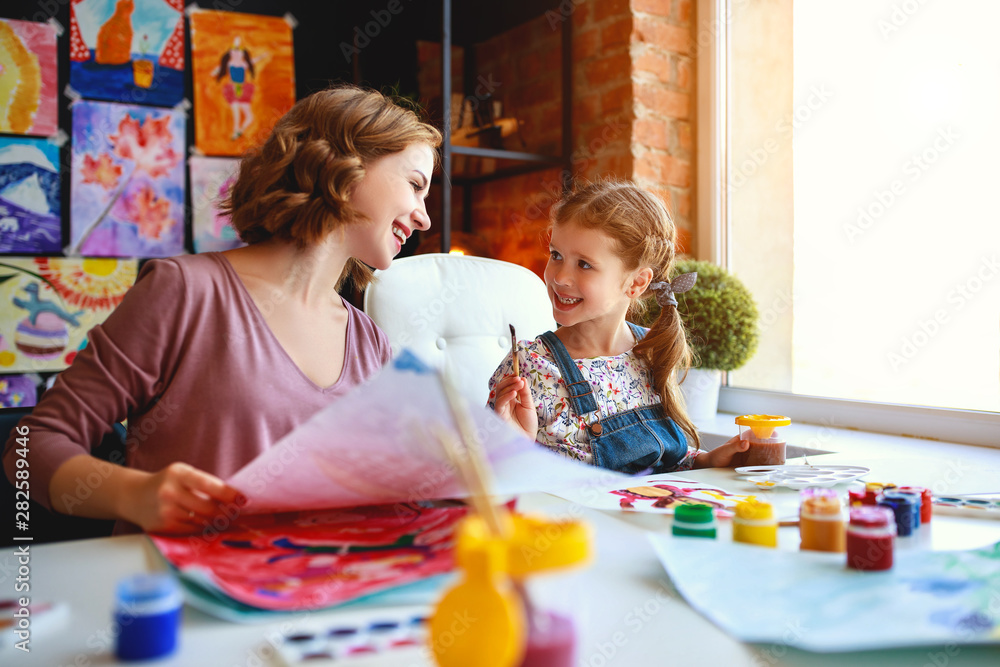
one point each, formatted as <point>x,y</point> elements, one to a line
<point>637,331</point>
<point>581,393</point>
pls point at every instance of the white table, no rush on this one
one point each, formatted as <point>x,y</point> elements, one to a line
<point>626,610</point>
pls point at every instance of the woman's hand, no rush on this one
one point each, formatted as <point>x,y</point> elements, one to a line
<point>178,499</point>
<point>722,456</point>
<point>516,406</point>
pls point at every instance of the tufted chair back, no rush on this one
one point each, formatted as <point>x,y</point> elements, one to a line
<point>453,312</point>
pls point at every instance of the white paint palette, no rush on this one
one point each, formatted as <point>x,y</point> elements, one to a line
<point>801,476</point>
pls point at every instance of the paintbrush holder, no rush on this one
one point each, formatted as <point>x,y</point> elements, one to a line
<point>512,631</point>
<point>766,438</point>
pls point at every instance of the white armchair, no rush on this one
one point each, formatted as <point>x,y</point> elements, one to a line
<point>454,312</point>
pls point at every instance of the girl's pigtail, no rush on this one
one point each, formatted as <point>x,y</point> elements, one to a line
<point>666,351</point>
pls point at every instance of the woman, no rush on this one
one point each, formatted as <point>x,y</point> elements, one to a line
<point>214,357</point>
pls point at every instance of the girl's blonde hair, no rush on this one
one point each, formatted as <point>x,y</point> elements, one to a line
<point>297,185</point>
<point>644,236</point>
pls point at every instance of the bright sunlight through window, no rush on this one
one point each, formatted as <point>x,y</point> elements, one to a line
<point>864,215</point>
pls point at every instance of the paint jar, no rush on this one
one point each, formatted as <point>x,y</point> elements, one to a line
<point>148,615</point>
<point>871,536</point>
<point>926,501</point>
<point>906,507</point>
<point>821,521</point>
<point>755,523</point>
<point>694,521</point>
<point>867,493</point>
<point>551,640</point>
<point>767,445</point>
<point>857,495</point>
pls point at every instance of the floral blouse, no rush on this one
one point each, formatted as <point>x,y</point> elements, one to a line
<point>621,382</point>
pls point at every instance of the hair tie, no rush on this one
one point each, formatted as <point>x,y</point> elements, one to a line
<point>665,290</point>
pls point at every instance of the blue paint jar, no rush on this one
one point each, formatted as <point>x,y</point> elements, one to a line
<point>917,503</point>
<point>148,615</point>
<point>903,507</point>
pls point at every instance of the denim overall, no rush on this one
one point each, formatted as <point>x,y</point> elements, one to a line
<point>633,441</point>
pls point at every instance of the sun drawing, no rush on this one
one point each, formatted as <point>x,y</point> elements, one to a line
<point>91,283</point>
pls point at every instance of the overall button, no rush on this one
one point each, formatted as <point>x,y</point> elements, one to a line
<point>596,429</point>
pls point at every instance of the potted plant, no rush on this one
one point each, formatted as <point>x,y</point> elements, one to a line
<point>720,316</point>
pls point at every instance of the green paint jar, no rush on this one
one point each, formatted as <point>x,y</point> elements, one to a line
<point>694,521</point>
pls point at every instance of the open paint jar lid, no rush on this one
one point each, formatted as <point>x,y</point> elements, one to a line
<point>763,426</point>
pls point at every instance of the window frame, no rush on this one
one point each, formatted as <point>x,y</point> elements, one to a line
<point>712,53</point>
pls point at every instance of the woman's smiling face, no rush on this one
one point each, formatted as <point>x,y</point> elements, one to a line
<point>391,196</point>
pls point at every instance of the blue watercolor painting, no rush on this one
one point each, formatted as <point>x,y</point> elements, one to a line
<point>127,181</point>
<point>18,391</point>
<point>128,51</point>
<point>29,196</point>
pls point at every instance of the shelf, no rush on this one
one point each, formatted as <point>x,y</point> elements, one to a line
<point>463,179</point>
<point>503,18</point>
<point>502,154</point>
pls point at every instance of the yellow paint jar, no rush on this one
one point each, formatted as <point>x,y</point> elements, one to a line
<point>755,523</point>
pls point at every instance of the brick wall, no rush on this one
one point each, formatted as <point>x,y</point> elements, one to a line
<point>633,86</point>
<point>663,78</point>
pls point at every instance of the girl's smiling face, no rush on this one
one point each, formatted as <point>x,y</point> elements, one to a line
<point>586,279</point>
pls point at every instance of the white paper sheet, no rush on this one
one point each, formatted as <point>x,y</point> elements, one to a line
<point>374,446</point>
<point>812,601</point>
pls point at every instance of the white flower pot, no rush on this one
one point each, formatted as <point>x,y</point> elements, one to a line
<point>701,393</point>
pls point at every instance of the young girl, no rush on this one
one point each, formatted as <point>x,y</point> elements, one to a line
<point>214,357</point>
<point>601,389</point>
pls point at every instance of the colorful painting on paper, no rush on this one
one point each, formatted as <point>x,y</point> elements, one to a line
<point>29,196</point>
<point>48,304</point>
<point>320,558</point>
<point>128,51</point>
<point>127,181</point>
<point>28,78</point>
<point>244,78</point>
<point>18,391</point>
<point>211,178</point>
<point>661,494</point>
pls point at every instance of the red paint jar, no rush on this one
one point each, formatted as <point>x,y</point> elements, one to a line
<point>871,537</point>
<point>551,641</point>
<point>867,493</point>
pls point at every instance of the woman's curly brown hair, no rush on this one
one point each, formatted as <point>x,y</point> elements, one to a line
<point>297,185</point>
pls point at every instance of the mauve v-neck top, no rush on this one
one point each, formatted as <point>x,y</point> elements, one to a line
<point>189,359</point>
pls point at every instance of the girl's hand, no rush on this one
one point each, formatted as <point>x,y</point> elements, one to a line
<point>516,406</point>
<point>178,499</point>
<point>722,456</point>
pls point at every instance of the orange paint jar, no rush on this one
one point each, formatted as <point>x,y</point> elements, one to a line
<point>821,521</point>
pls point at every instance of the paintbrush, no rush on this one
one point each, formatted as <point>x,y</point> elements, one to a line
<point>513,351</point>
<point>471,463</point>
<point>474,468</point>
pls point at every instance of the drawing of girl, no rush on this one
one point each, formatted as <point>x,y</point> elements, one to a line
<point>237,63</point>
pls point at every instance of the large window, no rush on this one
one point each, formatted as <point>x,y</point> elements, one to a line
<point>861,150</point>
